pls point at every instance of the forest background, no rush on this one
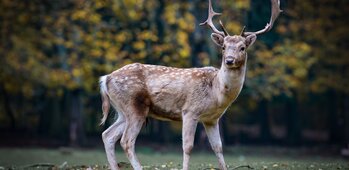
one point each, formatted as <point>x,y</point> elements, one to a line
<point>53,52</point>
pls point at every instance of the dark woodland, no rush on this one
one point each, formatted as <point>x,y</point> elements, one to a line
<point>52,53</point>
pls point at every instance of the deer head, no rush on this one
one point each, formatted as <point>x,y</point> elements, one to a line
<point>234,47</point>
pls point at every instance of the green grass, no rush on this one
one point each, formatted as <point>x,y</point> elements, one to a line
<point>256,157</point>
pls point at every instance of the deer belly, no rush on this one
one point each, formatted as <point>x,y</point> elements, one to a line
<point>163,114</point>
<point>166,106</point>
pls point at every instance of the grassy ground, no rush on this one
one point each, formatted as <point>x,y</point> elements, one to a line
<point>256,157</point>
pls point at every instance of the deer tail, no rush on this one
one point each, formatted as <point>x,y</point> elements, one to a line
<point>105,98</point>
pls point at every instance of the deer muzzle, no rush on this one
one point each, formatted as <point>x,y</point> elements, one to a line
<point>233,62</point>
<point>230,61</point>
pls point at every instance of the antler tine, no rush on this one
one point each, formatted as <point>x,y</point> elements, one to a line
<point>275,11</point>
<point>224,30</point>
<point>242,31</point>
<point>209,22</point>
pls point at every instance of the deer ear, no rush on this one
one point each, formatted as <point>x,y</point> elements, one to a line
<point>250,40</point>
<point>218,39</point>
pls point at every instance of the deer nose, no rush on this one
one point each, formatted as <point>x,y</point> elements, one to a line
<point>230,60</point>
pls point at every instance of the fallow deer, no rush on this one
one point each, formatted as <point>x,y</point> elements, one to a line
<point>190,95</point>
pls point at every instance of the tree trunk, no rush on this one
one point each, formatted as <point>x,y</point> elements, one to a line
<point>55,126</point>
<point>44,120</point>
<point>265,135</point>
<point>346,120</point>
<point>165,131</point>
<point>154,130</point>
<point>335,123</point>
<point>292,121</point>
<point>76,130</point>
<point>224,129</point>
<point>7,108</point>
<point>160,30</point>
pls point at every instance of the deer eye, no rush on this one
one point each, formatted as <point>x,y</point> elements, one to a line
<point>242,49</point>
<point>223,48</point>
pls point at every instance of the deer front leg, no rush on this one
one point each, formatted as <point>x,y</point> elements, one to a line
<point>212,131</point>
<point>188,133</point>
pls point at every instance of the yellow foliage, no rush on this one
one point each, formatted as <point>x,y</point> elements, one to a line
<point>233,27</point>
<point>189,19</point>
<point>242,4</point>
<point>27,90</point>
<point>71,47</point>
<point>133,15</point>
<point>100,4</point>
<point>147,35</point>
<point>76,72</point>
<point>184,53</point>
<point>95,18</point>
<point>301,72</point>
<point>96,52</point>
<point>111,54</point>
<point>121,36</point>
<point>170,13</point>
<point>182,37</point>
<point>138,56</point>
<point>79,15</point>
<point>139,45</point>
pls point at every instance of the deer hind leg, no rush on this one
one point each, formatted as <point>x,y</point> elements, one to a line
<point>134,123</point>
<point>110,136</point>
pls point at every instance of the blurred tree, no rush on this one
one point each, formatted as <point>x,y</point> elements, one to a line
<point>64,46</point>
<point>52,53</point>
<point>278,64</point>
<point>323,24</point>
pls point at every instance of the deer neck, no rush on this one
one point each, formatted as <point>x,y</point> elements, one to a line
<point>228,83</point>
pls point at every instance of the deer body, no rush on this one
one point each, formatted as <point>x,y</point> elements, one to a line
<point>190,95</point>
<point>168,91</point>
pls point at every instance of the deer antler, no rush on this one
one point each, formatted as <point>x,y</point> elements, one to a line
<point>275,11</point>
<point>224,30</point>
<point>209,22</point>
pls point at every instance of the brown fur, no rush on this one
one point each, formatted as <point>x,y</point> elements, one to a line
<point>141,101</point>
